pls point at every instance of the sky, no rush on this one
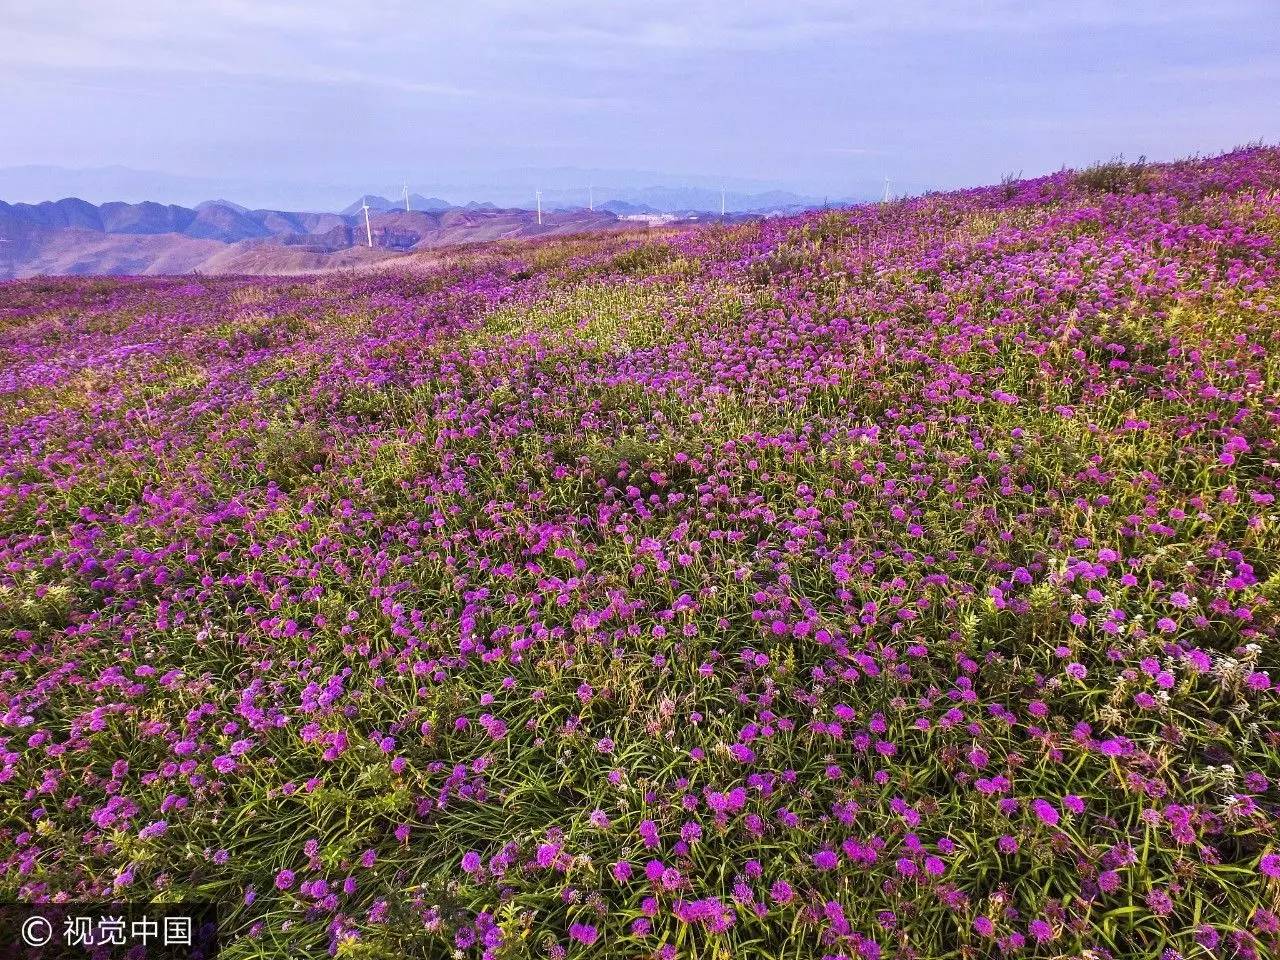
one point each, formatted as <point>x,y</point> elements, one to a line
<point>318,99</point>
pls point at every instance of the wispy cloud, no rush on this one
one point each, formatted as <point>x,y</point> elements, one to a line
<point>244,42</point>
<point>222,30</point>
<point>693,25</point>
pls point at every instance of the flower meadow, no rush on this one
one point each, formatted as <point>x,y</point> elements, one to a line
<point>892,581</point>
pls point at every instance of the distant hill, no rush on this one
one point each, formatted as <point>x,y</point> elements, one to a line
<point>373,200</point>
<point>432,204</point>
<point>417,202</point>
<point>72,236</point>
<point>623,208</point>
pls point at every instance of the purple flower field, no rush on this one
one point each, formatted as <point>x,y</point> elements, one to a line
<point>895,581</point>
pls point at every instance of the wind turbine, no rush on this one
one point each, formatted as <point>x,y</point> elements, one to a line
<point>538,195</point>
<point>722,201</point>
<point>886,190</point>
<point>406,198</point>
<point>368,230</point>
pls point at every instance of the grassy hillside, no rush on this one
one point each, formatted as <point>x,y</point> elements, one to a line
<point>898,581</point>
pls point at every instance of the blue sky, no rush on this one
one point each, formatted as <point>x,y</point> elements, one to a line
<point>817,96</point>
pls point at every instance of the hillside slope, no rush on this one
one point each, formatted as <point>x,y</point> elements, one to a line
<point>900,581</point>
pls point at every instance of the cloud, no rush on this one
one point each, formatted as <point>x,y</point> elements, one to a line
<point>773,88</point>
<point>696,25</point>
<point>221,32</point>
<point>322,44</point>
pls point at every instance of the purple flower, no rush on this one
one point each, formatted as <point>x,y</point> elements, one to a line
<point>153,830</point>
<point>1046,811</point>
<point>548,855</point>
<point>1207,936</point>
<point>648,833</point>
<point>1159,902</point>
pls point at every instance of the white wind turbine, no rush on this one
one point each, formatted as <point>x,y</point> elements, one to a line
<point>886,190</point>
<point>538,195</point>
<point>406,198</point>
<point>722,201</point>
<point>368,230</point>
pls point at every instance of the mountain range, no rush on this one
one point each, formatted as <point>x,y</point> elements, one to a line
<point>507,188</point>
<point>416,202</point>
<point>133,233</point>
<point>72,236</point>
